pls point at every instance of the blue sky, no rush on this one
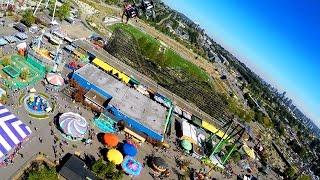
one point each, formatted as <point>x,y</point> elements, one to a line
<point>279,40</point>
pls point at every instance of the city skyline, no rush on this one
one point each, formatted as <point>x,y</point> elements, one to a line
<point>277,40</point>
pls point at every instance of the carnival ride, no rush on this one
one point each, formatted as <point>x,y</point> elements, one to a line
<point>37,104</point>
<point>73,125</point>
<point>147,7</point>
<point>233,133</point>
<point>53,22</point>
<point>133,10</point>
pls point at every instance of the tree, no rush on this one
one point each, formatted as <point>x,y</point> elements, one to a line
<point>117,175</point>
<point>104,171</point>
<point>4,99</point>
<point>64,11</point>
<point>304,177</point>
<point>6,61</point>
<point>79,94</point>
<point>42,172</point>
<point>290,171</point>
<point>27,18</point>
<point>24,74</point>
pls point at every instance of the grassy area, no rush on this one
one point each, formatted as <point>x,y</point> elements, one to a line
<point>170,58</point>
<point>36,116</point>
<point>167,68</point>
<point>134,31</point>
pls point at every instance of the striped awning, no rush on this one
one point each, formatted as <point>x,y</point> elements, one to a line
<point>12,131</point>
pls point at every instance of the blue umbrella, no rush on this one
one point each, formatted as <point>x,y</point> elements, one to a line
<point>129,149</point>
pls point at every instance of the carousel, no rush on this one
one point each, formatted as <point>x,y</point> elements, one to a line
<point>36,103</point>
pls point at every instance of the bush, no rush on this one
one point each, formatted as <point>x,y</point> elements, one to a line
<point>27,18</point>
<point>42,172</point>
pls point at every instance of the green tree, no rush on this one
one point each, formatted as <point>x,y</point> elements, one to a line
<point>104,170</point>
<point>281,129</point>
<point>290,171</point>
<point>43,173</point>
<point>304,177</point>
<point>117,175</point>
<point>64,11</point>
<point>6,61</point>
<point>27,18</point>
<point>24,74</point>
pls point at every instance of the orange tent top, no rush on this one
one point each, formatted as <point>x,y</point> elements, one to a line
<point>110,140</point>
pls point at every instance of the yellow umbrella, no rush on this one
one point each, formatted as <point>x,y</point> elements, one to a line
<point>248,151</point>
<point>115,156</point>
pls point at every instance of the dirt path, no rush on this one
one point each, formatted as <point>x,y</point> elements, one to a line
<point>164,19</point>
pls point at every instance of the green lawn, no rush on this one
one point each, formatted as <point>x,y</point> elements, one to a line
<point>134,31</point>
<point>172,59</point>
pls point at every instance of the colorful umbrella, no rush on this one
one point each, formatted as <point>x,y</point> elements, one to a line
<point>55,79</point>
<point>186,144</point>
<point>131,166</point>
<point>249,151</point>
<point>129,149</point>
<point>111,140</point>
<point>115,156</point>
<point>73,124</point>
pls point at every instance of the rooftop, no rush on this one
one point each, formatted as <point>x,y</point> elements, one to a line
<point>75,169</point>
<point>95,97</point>
<point>128,100</point>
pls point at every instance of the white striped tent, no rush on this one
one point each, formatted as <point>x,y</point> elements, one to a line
<point>12,131</point>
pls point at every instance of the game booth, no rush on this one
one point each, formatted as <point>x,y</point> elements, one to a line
<point>13,132</point>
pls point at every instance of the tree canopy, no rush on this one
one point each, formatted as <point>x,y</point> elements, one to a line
<point>27,18</point>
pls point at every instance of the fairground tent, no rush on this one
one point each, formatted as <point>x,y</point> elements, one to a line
<point>12,131</point>
<point>55,79</point>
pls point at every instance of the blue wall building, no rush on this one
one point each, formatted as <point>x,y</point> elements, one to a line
<point>91,79</point>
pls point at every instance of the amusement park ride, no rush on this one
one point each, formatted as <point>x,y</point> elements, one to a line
<point>133,10</point>
<point>53,22</point>
<point>233,134</point>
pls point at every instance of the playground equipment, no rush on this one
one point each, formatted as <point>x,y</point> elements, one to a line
<point>232,129</point>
